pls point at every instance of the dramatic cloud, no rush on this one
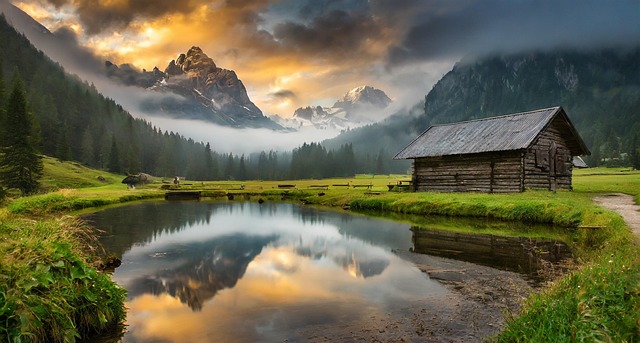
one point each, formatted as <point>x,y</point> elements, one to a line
<point>334,35</point>
<point>284,94</point>
<point>494,26</point>
<point>292,53</point>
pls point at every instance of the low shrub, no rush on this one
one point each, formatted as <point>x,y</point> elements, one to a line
<point>49,291</point>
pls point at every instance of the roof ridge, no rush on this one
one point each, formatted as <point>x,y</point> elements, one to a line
<point>500,116</point>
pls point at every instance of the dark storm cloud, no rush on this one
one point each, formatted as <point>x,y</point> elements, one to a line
<point>336,33</point>
<point>284,94</point>
<point>96,16</point>
<point>475,28</point>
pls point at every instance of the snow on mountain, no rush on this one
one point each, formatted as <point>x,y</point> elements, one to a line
<point>351,110</point>
<point>209,93</point>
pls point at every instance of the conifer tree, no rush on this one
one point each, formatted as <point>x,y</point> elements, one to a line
<point>210,172</point>
<point>63,149</point>
<point>242,169</point>
<point>114,157</point>
<point>230,168</point>
<point>2,104</point>
<point>20,164</point>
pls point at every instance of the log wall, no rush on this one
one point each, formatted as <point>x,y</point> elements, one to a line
<point>489,173</point>
<point>547,170</point>
<point>546,165</point>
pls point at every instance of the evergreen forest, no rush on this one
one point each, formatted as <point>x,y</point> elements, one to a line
<point>73,121</point>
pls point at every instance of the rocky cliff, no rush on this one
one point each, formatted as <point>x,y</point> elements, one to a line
<point>204,91</point>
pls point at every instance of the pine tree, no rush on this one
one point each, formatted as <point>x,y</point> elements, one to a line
<point>20,165</point>
<point>208,163</point>
<point>381,165</point>
<point>63,149</point>
<point>2,102</point>
<point>242,169</point>
<point>114,157</point>
<point>230,168</point>
<point>87,148</point>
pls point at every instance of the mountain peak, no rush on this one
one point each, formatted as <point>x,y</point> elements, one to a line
<point>363,95</point>
<point>195,60</point>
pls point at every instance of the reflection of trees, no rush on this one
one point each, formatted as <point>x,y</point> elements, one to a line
<point>140,223</point>
<point>210,267</point>
<point>377,232</point>
<point>520,254</point>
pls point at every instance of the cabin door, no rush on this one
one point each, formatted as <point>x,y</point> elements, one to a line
<point>553,151</point>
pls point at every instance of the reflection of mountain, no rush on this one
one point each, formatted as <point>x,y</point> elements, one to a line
<point>210,267</point>
<point>360,267</point>
<point>520,254</point>
<point>136,224</point>
<point>359,260</point>
<point>375,231</point>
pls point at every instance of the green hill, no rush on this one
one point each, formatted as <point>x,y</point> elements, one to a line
<point>77,123</point>
<point>600,90</point>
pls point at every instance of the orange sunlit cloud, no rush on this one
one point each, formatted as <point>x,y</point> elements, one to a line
<point>336,45</point>
<point>231,36</point>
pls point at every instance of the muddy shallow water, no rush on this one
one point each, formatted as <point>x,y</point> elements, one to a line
<point>248,272</point>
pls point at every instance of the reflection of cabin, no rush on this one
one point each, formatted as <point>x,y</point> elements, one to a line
<point>508,153</point>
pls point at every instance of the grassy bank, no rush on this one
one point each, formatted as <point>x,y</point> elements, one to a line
<point>49,288</point>
<point>600,300</point>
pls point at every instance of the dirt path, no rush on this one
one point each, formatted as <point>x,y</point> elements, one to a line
<point>625,206</point>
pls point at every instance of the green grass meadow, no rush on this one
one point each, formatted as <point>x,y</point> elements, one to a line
<point>50,291</point>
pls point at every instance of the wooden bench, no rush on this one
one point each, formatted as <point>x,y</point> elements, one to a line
<point>368,186</point>
<point>286,186</point>
<point>319,186</point>
<point>400,185</point>
<point>340,185</point>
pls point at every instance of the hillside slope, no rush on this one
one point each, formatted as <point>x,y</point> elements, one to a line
<point>600,91</point>
<point>78,123</point>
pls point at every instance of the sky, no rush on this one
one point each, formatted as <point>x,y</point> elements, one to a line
<point>293,53</point>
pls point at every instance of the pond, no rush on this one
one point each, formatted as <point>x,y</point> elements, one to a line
<point>249,272</point>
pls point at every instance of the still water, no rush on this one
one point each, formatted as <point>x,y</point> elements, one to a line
<point>247,272</point>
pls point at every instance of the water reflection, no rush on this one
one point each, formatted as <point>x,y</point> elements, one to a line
<point>519,254</point>
<point>205,269</point>
<point>199,271</point>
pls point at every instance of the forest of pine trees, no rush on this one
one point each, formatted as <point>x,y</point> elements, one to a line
<point>73,121</point>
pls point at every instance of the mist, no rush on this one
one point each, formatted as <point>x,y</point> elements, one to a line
<point>222,139</point>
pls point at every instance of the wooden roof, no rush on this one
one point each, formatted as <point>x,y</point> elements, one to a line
<point>503,133</point>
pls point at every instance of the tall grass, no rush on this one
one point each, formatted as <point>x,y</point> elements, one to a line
<point>599,301</point>
<point>49,292</point>
<point>63,201</point>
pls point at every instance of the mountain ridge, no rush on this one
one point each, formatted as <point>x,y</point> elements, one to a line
<point>352,110</point>
<point>208,92</point>
<point>599,90</point>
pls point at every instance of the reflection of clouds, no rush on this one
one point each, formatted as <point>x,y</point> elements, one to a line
<point>207,268</point>
<point>262,273</point>
<point>358,268</point>
<point>269,300</point>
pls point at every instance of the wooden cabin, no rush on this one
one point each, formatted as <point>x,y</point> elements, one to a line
<point>508,153</point>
